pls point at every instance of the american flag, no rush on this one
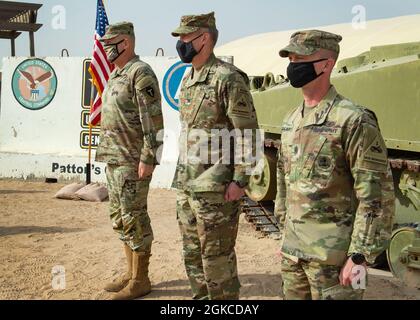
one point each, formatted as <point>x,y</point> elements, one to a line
<point>100,68</point>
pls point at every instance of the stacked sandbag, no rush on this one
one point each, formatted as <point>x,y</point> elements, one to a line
<point>69,192</point>
<point>95,192</point>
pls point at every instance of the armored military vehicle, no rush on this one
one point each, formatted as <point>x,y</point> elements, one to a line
<point>386,79</point>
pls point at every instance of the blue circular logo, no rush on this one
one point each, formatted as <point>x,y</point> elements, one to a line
<point>172,82</point>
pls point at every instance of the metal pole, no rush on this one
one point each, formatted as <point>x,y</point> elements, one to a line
<point>31,43</point>
<point>88,165</point>
<point>13,50</point>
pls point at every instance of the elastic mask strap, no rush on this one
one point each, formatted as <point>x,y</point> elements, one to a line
<point>114,44</point>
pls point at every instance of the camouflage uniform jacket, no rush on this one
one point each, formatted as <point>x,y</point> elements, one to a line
<point>216,97</point>
<point>335,189</point>
<point>131,116</point>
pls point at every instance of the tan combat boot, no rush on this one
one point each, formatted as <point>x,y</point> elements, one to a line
<point>119,283</point>
<point>139,284</point>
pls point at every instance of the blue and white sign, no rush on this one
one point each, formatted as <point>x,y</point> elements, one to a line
<point>172,83</point>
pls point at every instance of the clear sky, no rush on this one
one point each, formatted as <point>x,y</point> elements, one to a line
<point>155,19</point>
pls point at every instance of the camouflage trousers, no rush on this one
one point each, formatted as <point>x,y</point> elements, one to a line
<point>209,227</point>
<point>303,280</point>
<point>128,207</point>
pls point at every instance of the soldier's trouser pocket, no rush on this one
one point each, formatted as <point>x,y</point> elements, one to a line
<point>137,231</point>
<point>114,187</point>
<point>191,245</point>
<point>296,285</point>
<point>217,223</point>
<point>339,292</point>
<point>325,283</point>
<point>217,227</point>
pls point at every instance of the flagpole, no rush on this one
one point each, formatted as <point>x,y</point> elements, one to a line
<point>88,165</point>
<point>101,23</point>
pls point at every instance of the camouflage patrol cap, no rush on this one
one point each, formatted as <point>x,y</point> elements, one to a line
<point>308,42</point>
<point>117,29</point>
<point>192,23</point>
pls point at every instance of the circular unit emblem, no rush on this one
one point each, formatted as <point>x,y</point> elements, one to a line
<point>34,84</point>
<point>172,81</point>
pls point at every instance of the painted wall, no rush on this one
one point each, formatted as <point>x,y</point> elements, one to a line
<point>52,141</point>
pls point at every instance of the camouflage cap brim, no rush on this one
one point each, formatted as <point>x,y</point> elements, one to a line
<point>298,49</point>
<point>119,28</point>
<point>109,36</point>
<point>184,30</point>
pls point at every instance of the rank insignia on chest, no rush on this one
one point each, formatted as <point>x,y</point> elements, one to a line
<point>114,92</point>
<point>319,115</point>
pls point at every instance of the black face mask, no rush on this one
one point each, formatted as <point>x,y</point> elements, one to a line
<point>111,50</point>
<point>186,50</point>
<point>301,73</point>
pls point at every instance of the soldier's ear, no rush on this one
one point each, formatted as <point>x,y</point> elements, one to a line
<point>333,62</point>
<point>329,64</point>
<point>206,37</point>
<point>126,43</point>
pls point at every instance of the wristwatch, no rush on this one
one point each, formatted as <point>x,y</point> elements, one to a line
<point>240,184</point>
<point>358,258</point>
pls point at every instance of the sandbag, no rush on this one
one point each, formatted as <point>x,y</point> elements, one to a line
<point>69,191</point>
<point>93,192</point>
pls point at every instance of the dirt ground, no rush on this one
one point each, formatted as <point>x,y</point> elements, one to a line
<point>38,232</point>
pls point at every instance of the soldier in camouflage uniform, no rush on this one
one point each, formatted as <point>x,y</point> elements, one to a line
<point>131,117</point>
<point>335,200</point>
<point>214,96</point>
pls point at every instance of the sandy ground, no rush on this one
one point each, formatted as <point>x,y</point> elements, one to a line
<point>38,232</point>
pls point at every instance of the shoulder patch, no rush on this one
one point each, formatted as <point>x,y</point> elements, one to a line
<point>144,82</point>
<point>374,155</point>
<point>241,103</point>
<point>150,91</point>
